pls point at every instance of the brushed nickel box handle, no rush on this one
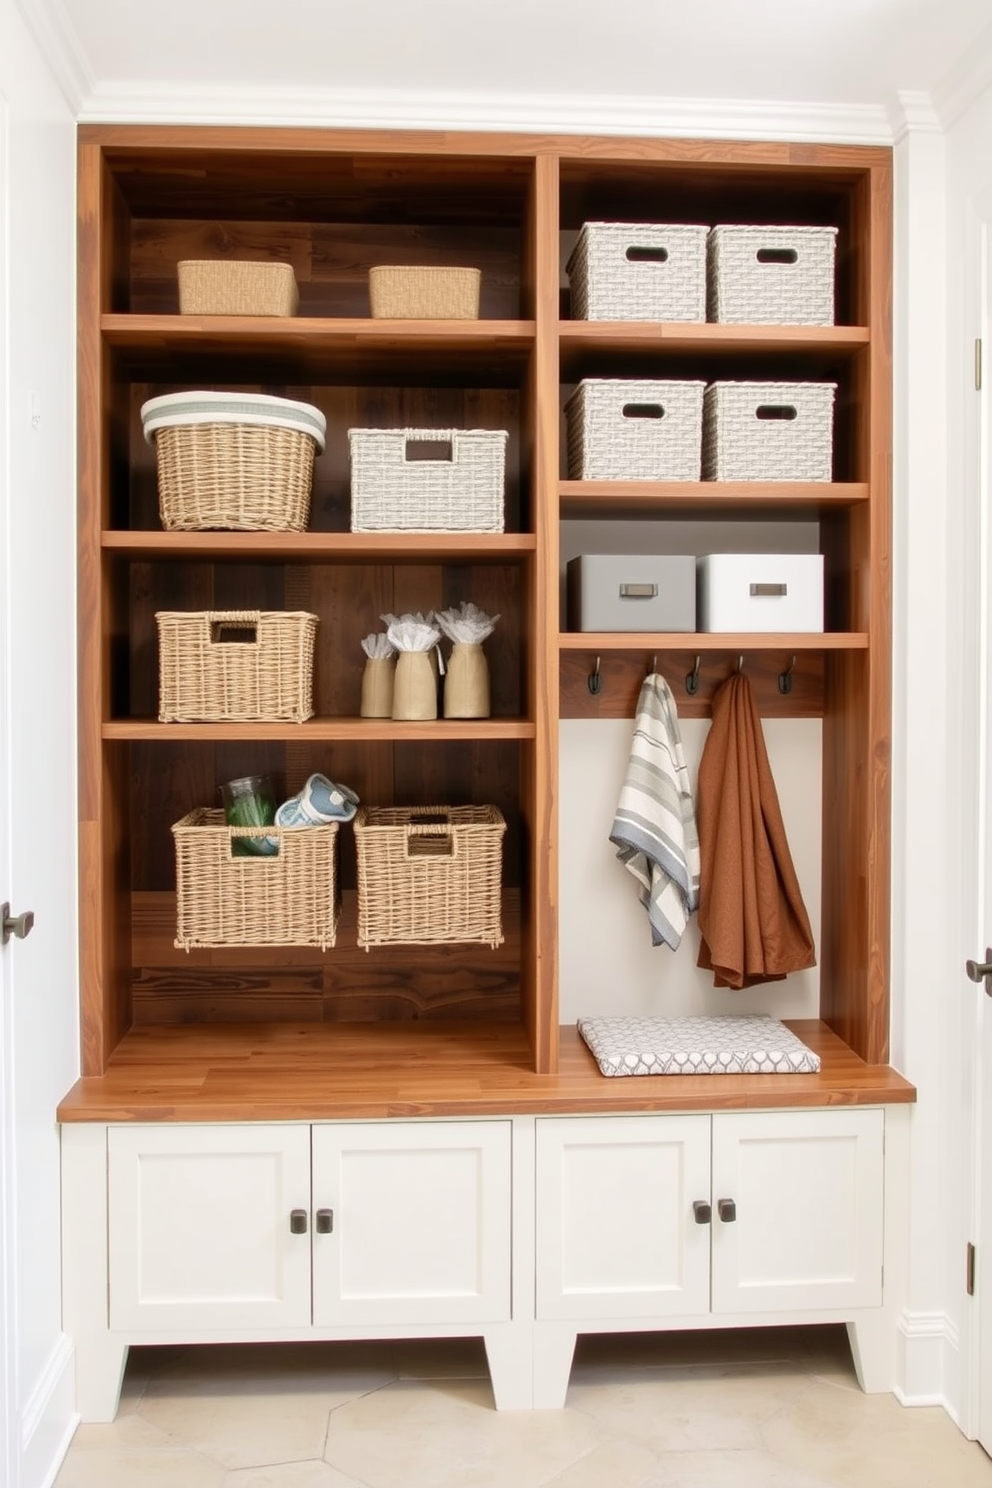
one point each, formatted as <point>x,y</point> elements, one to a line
<point>765,591</point>
<point>638,591</point>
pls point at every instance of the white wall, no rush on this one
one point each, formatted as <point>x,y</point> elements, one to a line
<point>38,802</point>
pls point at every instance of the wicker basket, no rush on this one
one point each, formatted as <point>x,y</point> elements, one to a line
<point>429,874</point>
<point>771,275</point>
<point>226,286</point>
<point>393,492</point>
<point>631,429</point>
<point>235,665</point>
<point>428,292</point>
<point>232,461</point>
<point>290,898</point>
<point>638,271</point>
<point>768,431</point>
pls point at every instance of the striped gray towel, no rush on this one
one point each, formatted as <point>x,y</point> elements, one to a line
<point>654,828</point>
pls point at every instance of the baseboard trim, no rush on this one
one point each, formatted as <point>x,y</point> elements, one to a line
<point>49,1419</point>
<point>927,1350</point>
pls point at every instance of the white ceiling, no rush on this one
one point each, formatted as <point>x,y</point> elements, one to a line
<point>834,52</point>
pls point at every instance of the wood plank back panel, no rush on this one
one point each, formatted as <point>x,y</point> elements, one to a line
<point>301,984</point>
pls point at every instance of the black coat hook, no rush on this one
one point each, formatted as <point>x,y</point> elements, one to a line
<point>594,681</point>
<point>785,678</point>
<point>692,680</point>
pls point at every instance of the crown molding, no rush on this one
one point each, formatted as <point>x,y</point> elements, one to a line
<point>913,113</point>
<point>967,80</point>
<point>559,114</point>
<point>58,43</point>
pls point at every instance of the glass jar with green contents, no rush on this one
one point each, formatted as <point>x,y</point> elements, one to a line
<point>250,802</point>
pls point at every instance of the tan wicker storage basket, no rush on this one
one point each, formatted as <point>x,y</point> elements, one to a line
<point>635,429</point>
<point>233,462</point>
<point>771,275</point>
<point>290,898</point>
<point>234,286</point>
<point>428,874</point>
<point>768,431</point>
<point>235,665</point>
<point>391,491</point>
<point>638,271</point>
<point>428,292</point>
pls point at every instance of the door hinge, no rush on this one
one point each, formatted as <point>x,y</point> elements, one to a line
<point>970,1270</point>
<point>978,364</point>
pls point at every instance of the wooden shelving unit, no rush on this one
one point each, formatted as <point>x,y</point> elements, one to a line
<point>333,203</point>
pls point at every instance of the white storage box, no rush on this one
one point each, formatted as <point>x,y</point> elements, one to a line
<point>645,591</point>
<point>399,485</point>
<point>638,271</point>
<point>757,592</point>
<point>768,431</point>
<point>771,275</point>
<point>633,429</point>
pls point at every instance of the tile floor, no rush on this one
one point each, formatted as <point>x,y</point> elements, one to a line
<point>771,1408</point>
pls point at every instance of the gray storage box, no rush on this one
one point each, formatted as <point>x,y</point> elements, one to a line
<point>646,591</point>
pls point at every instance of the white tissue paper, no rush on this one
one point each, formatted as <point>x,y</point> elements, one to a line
<point>412,632</point>
<point>378,647</point>
<point>467,624</point>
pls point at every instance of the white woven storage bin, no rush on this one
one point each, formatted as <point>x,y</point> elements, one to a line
<point>638,271</point>
<point>393,491</point>
<point>771,275</point>
<point>768,431</point>
<point>635,429</point>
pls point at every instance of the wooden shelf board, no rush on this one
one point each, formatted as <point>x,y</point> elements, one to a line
<point>707,499</point>
<point>339,547</point>
<point>323,730</point>
<point>692,641</point>
<point>318,1072</point>
<point>605,335</point>
<point>286,332</point>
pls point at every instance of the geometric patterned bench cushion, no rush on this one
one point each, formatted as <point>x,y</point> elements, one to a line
<point>696,1046</point>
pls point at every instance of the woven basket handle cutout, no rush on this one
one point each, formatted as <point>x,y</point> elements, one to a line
<point>643,411</point>
<point>782,412</point>
<point>440,450</point>
<point>635,254</point>
<point>430,836</point>
<point>234,627</point>
<point>777,256</point>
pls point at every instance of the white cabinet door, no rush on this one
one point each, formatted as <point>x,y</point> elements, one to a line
<point>616,1231</point>
<point>807,1192</point>
<point>200,1227</point>
<point>412,1222</point>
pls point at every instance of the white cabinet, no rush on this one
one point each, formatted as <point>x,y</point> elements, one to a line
<point>807,1189</point>
<point>281,1226</point>
<point>411,1223</point>
<point>200,1227</point>
<point>662,1217</point>
<point>616,1235</point>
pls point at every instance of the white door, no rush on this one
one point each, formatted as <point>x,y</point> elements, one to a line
<point>982,913</point>
<point>8,1390</point>
<point>411,1223</point>
<point>209,1227</point>
<point>797,1210</point>
<point>623,1221</point>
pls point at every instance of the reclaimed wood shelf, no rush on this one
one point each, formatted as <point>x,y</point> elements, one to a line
<point>292,1071</point>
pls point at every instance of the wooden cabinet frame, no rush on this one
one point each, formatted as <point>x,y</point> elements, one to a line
<point>524,192</point>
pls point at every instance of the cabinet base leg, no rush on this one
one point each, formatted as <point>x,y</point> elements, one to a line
<point>511,1365</point>
<point>554,1347</point>
<point>873,1349</point>
<point>99,1376</point>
